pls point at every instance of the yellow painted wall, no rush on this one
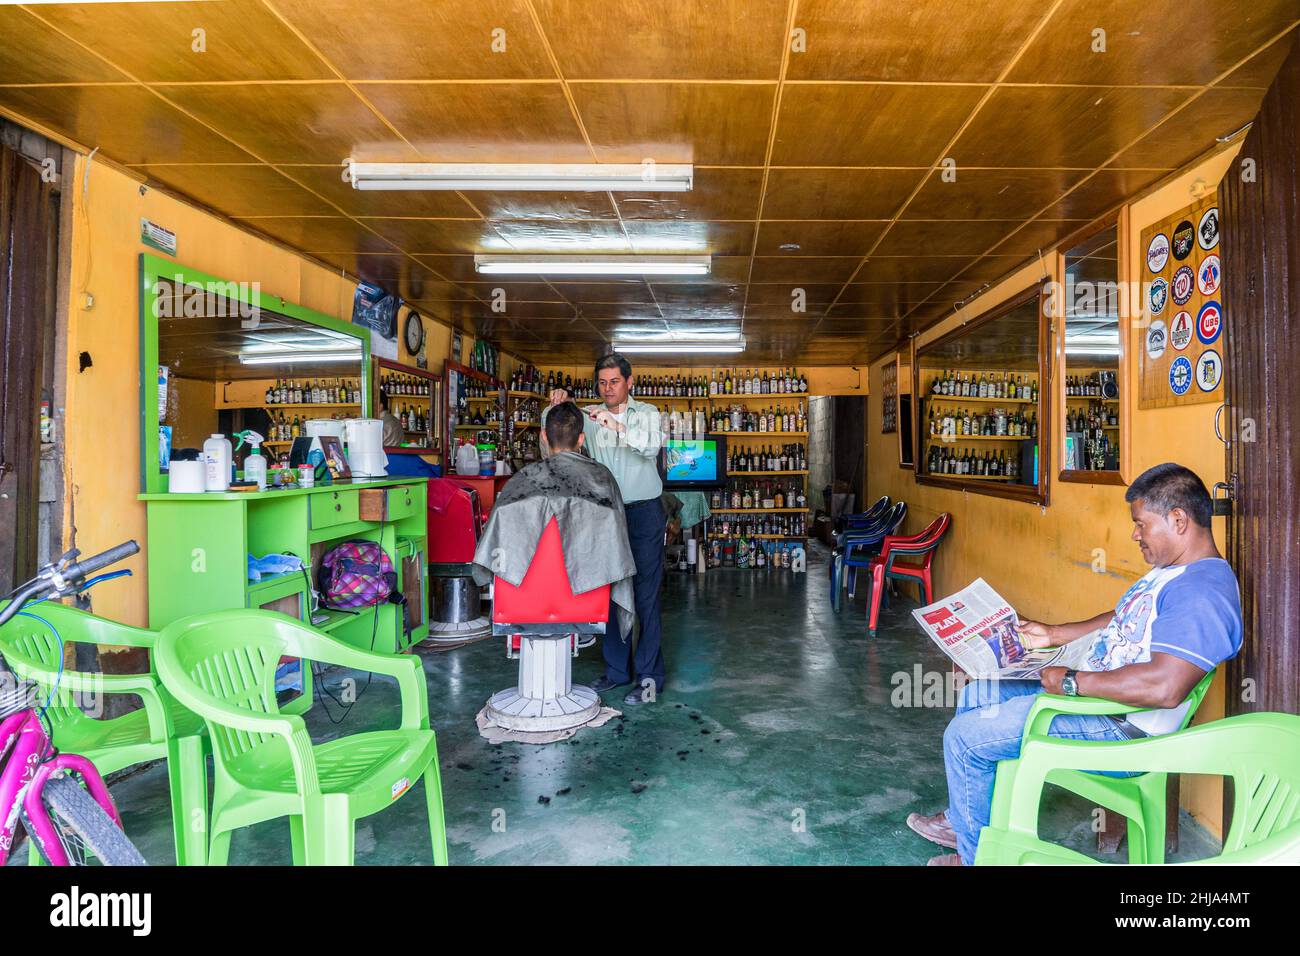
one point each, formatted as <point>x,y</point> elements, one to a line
<point>1041,559</point>
<point>102,424</point>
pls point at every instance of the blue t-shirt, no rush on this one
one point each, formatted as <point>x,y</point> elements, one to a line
<point>1192,611</point>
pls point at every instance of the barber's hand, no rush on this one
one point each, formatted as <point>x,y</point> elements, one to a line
<point>603,418</point>
<point>1035,635</point>
<point>1051,679</point>
<point>559,396</point>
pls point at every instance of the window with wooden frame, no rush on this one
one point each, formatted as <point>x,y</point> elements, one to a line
<point>1091,363</point>
<point>981,403</point>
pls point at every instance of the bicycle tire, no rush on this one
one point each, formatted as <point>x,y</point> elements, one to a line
<point>83,825</point>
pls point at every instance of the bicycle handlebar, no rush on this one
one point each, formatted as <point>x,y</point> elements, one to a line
<point>80,570</point>
<point>73,576</point>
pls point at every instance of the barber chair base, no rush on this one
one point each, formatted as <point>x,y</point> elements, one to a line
<point>545,698</point>
<point>458,632</point>
<point>456,601</point>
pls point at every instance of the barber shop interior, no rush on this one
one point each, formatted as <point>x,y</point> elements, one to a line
<point>612,432</point>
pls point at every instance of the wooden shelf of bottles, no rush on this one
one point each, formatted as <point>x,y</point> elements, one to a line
<point>760,511</point>
<point>298,405</point>
<point>761,474</point>
<point>762,537</point>
<point>759,434</point>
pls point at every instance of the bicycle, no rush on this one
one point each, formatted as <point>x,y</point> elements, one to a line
<point>69,824</point>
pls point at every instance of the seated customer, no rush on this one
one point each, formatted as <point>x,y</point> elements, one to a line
<point>1174,625</point>
<point>583,498</point>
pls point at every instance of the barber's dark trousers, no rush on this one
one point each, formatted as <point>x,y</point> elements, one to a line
<point>645,532</point>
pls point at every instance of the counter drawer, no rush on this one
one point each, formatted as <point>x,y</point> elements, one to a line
<point>389,504</point>
<point>329,508</point>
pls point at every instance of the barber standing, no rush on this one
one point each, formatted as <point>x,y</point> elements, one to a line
<point>624,435</point>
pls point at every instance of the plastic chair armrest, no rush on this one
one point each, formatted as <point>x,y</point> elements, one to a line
<point>144,686</point>
<point>405,669</point>
<point>1047,706</point>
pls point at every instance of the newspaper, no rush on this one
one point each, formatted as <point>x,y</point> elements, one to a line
<point>980,632</point>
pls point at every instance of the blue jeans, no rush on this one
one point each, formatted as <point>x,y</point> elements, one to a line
<point>987,727</point>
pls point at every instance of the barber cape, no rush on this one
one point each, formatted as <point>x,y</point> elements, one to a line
<point>583,498</point>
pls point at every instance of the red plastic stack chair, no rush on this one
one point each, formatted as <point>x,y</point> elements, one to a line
<point>886,566</point>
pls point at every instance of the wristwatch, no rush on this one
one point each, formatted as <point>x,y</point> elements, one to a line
<point>1070,686</point>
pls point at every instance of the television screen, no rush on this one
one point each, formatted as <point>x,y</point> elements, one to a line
<point>694,462</point>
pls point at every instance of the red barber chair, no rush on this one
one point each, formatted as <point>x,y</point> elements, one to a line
<point>541,620</point>
<point>455,523</point>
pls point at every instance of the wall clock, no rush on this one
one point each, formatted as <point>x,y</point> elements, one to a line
<point>414,332</point>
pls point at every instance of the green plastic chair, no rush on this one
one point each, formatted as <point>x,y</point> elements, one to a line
<point>1260,752</point>
<point>161,729</point>
<point>222,666</point>
<point>1140,799</point>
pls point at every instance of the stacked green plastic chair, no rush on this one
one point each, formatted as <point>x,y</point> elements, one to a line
<point>222,666</point>
<point>1260,752</point>
<point>163,729</point>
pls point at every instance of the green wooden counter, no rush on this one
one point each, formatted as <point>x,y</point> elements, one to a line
<point>199,546</point>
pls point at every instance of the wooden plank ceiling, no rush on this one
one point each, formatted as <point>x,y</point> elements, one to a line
<point>817,169</point>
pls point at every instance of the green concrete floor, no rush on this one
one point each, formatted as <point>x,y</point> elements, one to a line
<point>775,742</point>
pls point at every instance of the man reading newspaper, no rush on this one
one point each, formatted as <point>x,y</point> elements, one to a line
<point>1178,622</point>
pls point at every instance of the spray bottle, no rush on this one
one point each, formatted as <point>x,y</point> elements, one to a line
<point>254,464</point>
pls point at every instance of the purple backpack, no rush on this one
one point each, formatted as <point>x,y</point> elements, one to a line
<point>357,574</point>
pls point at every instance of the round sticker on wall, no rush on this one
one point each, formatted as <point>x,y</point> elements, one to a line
<point>1209,322</point>
<point>1207,233</point>
<point>1180,330</point>
<point>1158,296</point>
<point>1183,285</point>
<point>1184,240</point>
<point>1208,275</point>
<point>1180,376</point>
<point>1157,339</point>
<point>1157,252</point>
<point>1209,370</point>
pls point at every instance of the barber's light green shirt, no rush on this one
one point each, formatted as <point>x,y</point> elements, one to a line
<point>632,455</point>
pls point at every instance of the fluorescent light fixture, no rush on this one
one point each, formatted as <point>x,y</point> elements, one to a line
<point>679,346</point>
<point>522,177</point>
<point>524,265</point>
<point>295,358</point>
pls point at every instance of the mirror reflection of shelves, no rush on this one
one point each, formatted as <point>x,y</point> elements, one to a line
<point>414,399</point>
<point>976,422</point>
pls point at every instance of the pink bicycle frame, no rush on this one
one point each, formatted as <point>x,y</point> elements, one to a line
<point>22,741</point>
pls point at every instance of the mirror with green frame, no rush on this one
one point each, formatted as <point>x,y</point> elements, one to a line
<point>225,358</point>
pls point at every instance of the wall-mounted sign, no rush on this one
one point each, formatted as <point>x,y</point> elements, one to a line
<point>158,237</point>
<point>1182,362</point>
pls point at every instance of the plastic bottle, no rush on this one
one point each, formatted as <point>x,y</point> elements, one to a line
<point>255,464</point>
<point>216,463</point>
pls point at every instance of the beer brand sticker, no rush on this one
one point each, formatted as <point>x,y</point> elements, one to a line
<point>1157,339</point>
<point>1209,370</point>
<point>1207,233</point>
<point>1184,240</point>
<point>1208,275</point>
<point>1180,375</point>
<point>1209,322</point>
<point>1158,296</point>
<point>1157,252</point>
<point>1183,285</point>
<point>1180,330</point>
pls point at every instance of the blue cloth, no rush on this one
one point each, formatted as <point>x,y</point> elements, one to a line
<point>272,565</point>
<point>1192,611</point>
<point>411,466</point>
<point>987,728</point>
<point>645,533</point>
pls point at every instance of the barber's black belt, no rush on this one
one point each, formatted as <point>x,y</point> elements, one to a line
<point>640,504</point>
